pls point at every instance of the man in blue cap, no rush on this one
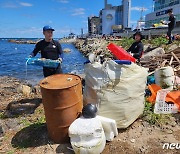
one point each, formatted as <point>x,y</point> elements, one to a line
<point>50,49</point>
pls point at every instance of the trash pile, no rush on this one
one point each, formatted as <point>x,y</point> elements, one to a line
<point>163,91</point>
<point>89,133</point>
<point>113,97</point>
<point>116,88</point>
<point>158,58</point>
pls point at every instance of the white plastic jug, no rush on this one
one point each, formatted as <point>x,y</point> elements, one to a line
<point>164,77</point>
<point>87,136</point>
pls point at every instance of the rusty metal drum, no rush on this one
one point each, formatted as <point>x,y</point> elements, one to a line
<point>62,101</point>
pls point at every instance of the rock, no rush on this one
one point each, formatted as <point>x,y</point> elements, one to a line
<point>67,50</point>
<point>24,106</point>
<point>25,90</point>
<point>172,48</point>
<point>37,90</point>
<point>1,131</point>
<point>156,52</point>
<point>132,140</point>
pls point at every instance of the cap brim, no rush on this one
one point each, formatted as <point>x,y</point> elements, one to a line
<point>49,29</point>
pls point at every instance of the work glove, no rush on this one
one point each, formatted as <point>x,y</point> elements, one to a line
<point>60,60</point>
<point>132,54</point>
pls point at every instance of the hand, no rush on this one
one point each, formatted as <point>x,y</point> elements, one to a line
<point>60,60</point>
<point>131,54</point>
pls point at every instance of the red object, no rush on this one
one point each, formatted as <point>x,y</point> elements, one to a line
<point>154,88</point>
<point>174,97</point>
<point>120,53</point>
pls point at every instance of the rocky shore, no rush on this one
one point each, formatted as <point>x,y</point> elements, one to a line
<point>19,41</point>
<point>95,45</point>
<point>23,126</point>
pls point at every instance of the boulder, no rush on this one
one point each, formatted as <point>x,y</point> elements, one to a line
<point>25,90</point>
<point>156,52</point>
<point>67,50</point>
<point>172,48</point>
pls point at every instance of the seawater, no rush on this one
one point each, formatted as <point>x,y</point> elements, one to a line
<point>13,62</point>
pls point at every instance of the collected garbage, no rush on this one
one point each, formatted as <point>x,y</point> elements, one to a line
<point>87,136</point>
<point>43,62</point>
<point>110,127</point>
<point>116,89</point>
<point>164,77</point>
<point>161,107</point>
<point>158,58</point>
<point>62,101</point>
<point>165,94</point>
<point>120,53</point>
<point>89,111</point>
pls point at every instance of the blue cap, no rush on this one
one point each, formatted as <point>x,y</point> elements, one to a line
<point>47,27</point>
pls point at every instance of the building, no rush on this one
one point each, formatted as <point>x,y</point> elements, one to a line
<point>93,25</point>
<point>112,19</point>
<point>160,11</point>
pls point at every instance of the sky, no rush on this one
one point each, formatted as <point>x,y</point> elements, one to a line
<point>25,18</point>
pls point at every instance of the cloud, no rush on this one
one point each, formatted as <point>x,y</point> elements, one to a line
<point>63,1</point>
<point>25,4</point>
<point>78,11</point>
<point>9,5</point>
<point>137,8</point>
<point>15,4</point>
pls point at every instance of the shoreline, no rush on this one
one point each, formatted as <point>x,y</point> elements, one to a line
<point>23,125</point>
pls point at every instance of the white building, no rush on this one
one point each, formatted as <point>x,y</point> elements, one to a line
<point>112,17</point>
<point>126,13</point>
<point>160,11</point>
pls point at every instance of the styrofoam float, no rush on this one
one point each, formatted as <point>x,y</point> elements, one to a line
<point>87,136</point>
<point>109,126</point>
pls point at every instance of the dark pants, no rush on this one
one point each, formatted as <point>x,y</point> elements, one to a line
<point>169,34</point>
<point>51,71</point>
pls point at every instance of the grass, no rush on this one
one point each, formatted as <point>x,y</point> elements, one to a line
<point>152,118</point>
<point>25,122</point>
<point>155,42</point>
<point>11,152</point>
<point>2,116</point>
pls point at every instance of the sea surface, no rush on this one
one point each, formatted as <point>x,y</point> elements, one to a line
<point>13,62</point>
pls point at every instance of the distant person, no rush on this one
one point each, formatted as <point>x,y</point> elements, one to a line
<point>50,49</point>
<point>171,25</point>
<point>136,49</point>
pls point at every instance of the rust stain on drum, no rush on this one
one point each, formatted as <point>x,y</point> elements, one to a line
<point>62,101</point>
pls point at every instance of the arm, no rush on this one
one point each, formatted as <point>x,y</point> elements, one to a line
<point>140,50</point>
<point>36,50</point>
<point>130,49</point>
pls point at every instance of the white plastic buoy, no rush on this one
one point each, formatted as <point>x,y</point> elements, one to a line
<point>109,126</point>
<point>164,77</point>
<point>92,57</point>
<point>87,136</point>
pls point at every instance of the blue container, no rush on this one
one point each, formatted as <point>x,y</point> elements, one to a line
<point>43,62</point>
<point>127,62</point>
<point>151,79</point>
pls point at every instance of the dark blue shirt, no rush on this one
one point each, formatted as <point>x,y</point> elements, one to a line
<point>49,50</point>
